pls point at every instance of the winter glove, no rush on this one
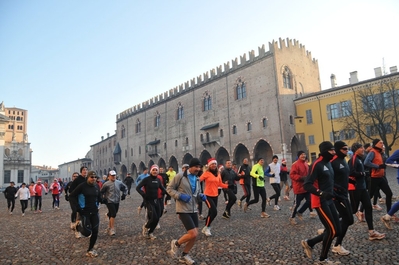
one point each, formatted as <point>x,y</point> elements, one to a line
<point>123,197</point>
<point>273,175</point>
<point>184,197</point>
<point>261,178</point>
<point>382,166</point>
<point>202,196</point>
<point>352,181</point>
<point>326,195</point>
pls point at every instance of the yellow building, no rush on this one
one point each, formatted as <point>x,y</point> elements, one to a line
<point>330,115</point>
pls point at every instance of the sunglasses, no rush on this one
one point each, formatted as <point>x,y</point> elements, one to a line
<point>345,149</point>
<point>93,176</point>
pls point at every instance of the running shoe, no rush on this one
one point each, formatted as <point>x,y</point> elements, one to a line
<point>386,219</point>
<point>186,259</point>
<point>92,253</point>
<point>374,235</point>
<point>308,250</point>
<point>340,250</point>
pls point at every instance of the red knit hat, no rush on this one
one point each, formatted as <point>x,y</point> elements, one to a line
<point>212,161</point>
<point>154,166</point>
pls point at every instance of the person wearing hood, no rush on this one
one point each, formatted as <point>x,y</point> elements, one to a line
<point>358,190</point>
<point>320,183</point>
<point>341,180</point>
<point>375,162</point>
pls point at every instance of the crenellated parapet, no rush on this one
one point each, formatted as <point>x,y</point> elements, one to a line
<point>216,73</point>
<point>290,44</point>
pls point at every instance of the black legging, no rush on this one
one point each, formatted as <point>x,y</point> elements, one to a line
<point>56,200</point>
<point>24,205</point>
<point>153,214</point>
<point>211,203</point>
<point>74,212</point>
<point>362,196</point>
<point>298,199</point>
<point>91,221</point>
<point>329,218</point>
<point>11,204</point>
<point>345,212</point>
<point>161,206</point>
<point>380,183</point>
<point>262,192</point>
<point>277,189</point>
<point>246,188</point>
<point>38,202</point>
<point>232,200</point>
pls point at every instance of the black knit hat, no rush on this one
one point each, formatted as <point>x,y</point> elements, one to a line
<point>338,145</point>
<point>326,146</point>
<point>376,141</point>
<point>356,146</point>
<point>194,162</point>
<point>300,153</point>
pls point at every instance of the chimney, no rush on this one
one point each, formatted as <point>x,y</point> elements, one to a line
<point>107,135</point>
<point>353,79</point>
<point>393,69</point>
<point>333,81</point>
<point>377,72</point>
<point>102,138</point>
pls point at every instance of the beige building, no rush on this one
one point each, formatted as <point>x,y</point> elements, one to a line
<point>14,145</point>
<point>241,109</point>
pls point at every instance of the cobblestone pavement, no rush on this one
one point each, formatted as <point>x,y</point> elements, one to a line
<point>243,239</point>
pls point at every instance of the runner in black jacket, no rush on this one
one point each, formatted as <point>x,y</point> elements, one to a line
<point>341,179</point>
<point>320,183</point>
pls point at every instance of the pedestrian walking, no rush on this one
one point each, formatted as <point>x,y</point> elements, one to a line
<point>24,196</point>
<point>9,194</point>
<point>39,189</point>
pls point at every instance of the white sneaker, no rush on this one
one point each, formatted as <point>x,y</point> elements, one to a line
<point>78,234</point>
<point>151,236</point>
<point>169,202</point>
<point>313,214</point>
<point>158,226</point>
<point>292,221</point>
<point>92,253</point>
<point>276,208</point>
<point>207,231</point>
<point>186,259</point>
<point>340,250</point>
<point>73,225</point>
<point>111,231</point>
<point>23,214</point>
<point>386,219</point>
<point>173,248</point>
<point>264,215</point>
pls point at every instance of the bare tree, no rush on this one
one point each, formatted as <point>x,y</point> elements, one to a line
<point>375,112</point>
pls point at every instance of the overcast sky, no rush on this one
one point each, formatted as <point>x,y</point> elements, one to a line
<point>74,65</point>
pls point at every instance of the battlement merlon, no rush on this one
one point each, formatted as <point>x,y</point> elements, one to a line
<point>290,44</point>
<point>220,71</point>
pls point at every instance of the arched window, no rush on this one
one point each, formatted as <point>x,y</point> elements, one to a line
<point>123,131</point>
<point>264,122</point>
<point>287,78</point>
<point>180,111</point>
<point>7,151</point>
<point>241,90</point>
<point>157,120</point>
<point>176,143</point>
<point>186,141</point>
<point>234,129</point>
<point>139,150</point>
<point>164,145</point>
<point>138,126</point>
<point>131,151</point>
<point>207,137</point>
<point>249,126</point>
<point>202,137</point>
<point>207,102</point>
<point>221,133</point>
